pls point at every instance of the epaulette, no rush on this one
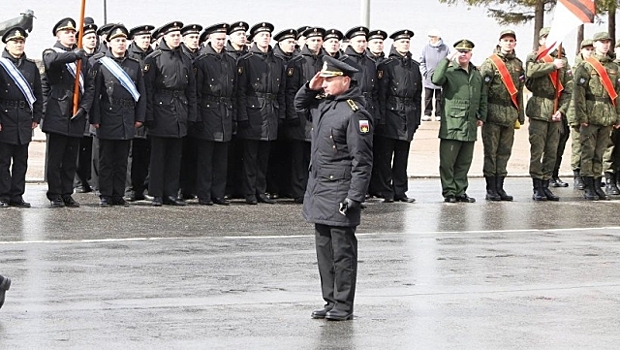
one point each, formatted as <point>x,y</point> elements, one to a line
<point>386,61</point>
<point>415,62</point>
<point>133,59</point>
<point>296,59</point>
<point>353,106</point>
<point>201,57</point>
<point>97,56</point>
<point>155,53</point>
<point>246,56</point>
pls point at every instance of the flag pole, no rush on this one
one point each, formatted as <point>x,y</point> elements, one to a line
<point>556,101</point>
<point>76,85</point>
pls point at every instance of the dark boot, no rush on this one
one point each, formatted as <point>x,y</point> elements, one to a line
<point>538,195</point>
<point>588,189</point>
<point>578,181</point>
<point>556,181</point>
<point>611,188</point>
<point>500,189</point>
<point>550,196</point>
<point>492,189</point>
<point>599,191</point>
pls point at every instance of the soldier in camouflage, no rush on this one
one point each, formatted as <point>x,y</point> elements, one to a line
<point>596,107</point>
<point>504,111</point>
<point>611,158</point>
<point>547,77</point>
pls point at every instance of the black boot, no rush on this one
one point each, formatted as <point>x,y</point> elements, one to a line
<point>578,181</point>
<point>538,195</point>
<point>550,196</point>
<point>588,189</point>
<point>599,191</point>
<point>611,188</point>
<point>500,189</point>
<point>492,189</point>
<point>556,181</point>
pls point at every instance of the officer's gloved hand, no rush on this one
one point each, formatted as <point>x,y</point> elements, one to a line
<point>293,122</point>
<point>81,112</point>
<point>348,204</point>
<point>243,124</point>
<point>80,53</point>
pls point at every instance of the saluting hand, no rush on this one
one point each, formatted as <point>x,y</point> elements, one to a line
<point>317,82</point>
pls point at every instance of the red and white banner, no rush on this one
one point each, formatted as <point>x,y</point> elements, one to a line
<point>569,14</point>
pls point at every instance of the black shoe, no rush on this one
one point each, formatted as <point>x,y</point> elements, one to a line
<point>388,200</point>
<point>187,196</point>
<point>262,198</point>
<point>320,313</point>
<point>83,189</point>
<point>70,202</point>
<point>57,203</point>
<point>19,203</point>
<point>557,182</point>
<point>298,200</point>
<point>405,199</point>
<point>273,196</point>
<point>464,198</point>
<point>170,200</point>
<point>4,286</point>
<point>4,203</point>
<point>450,199</point>
<point>104,203</point>
<point>157,202</point>
<point>205,201</point>
<point>338,315</point>
<point>119,201</point>
<point>251,199</point>
<point>221,201</point>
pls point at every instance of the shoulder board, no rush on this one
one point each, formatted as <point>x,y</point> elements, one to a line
<point>133,59</point>
<point>415,62</point>
<point>387,61</point>
<point>296,59</point>
<point>98,56</point>
<point>246,56</point>
<point>201,57</point>
<point>353,106</point>
<point>155,53</point>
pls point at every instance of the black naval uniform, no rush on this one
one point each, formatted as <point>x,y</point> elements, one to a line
<point>340,170</point>
<point>140,153</point>
<point>63,133</point>
<point>171,105</point>
<point>17,117</point>
<point>84,180</point>
<point>116,112</point>
<point>261,106</point>
<point>216,77</point>
<point>366,78</point>
<point>400,100</point>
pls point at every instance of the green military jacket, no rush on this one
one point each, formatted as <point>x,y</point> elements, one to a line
<point>463,100</point>
<point>591,103</point>
<point>542,103</point>
<point>500,107</point>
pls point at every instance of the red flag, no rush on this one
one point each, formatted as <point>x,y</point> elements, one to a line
<point>569,14</point>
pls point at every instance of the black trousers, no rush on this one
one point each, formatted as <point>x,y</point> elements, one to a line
<point>279,170</point>
<point>336,252</point>
<point>390,161</point>
<point>113,155</point>
<point>300,160</point>
<point>84,162</point>
<point>255,164</point>
<point>211,169</point>
<point>189,158</point>
<point>165,166</point>
<point>94,172</point>
<point>62,152</point>
<point>13,178</point>
<point>428,101</point>
<point>235,168</point>
<point>140,160</point>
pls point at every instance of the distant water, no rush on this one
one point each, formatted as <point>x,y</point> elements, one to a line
<point>454,22</point>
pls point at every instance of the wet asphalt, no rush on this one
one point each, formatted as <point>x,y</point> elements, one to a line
<point>432,275</point>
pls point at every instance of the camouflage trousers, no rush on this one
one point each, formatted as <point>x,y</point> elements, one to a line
<point>544,140</point>
<point>575,156</point>
<point>497,142</point>
<point>594,141</point>
<point>611,158</point>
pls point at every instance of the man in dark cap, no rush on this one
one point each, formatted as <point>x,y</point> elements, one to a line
<point>366,78</point>
<point>339,176</point>
<point>171,107</point>
<point>140,151</point>
<point>504,76</point>
<point>463,86</point>
<point>118,109</point>
<point>331,42</point>
<point>237,39</point>
<point>301,39</point>
<point>5,284</point>
<point>375,45</point>
<point>156,37</point>
<point>597,111</point>
<point>261,98</point>
<point>548,78</point>
<point>102,32</point>
<point>400,98</point>
<point>216,79</point>
<point>63,128</point>
<point>21,108</point>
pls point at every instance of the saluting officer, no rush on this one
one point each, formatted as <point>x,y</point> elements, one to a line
<point>118,109</point>
<point>400,100</point>
<point>216,78</point>
<point>261,107</point>
<point>504,76</point>
<point>339,177</point>
<point>64,129</point>
<point>171,106</point>
<point>21,108</point>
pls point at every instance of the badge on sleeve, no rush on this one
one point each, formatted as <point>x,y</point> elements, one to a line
<point>364,126</point>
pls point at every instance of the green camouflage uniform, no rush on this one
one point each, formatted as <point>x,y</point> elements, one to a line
<point>611,158</point>
<point>544,133</point>
<point>592,105</point>
<point>498,130</point>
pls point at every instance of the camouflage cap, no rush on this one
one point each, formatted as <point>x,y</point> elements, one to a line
<point>464,45</point>
<point>601,36</point>
<point>508,32</point>
<point>586,43</point>
<point>617,44</point>
<point>544,32</point>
